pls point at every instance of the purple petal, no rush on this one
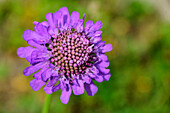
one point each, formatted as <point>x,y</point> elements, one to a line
<point>35,22</point>
<point>88,25</point>
<point>34,44</point>
<point>104,70</point>
<point>32,35</point>
<point>52,81</point>
<point>91,89</point>
<point>38,74</point>
<point>99,45</point>
<point>94,70</point>
<point>107,77</point>
<point>95,39</point>
<point>24,52</point>
<point>91,75</point>
<point>49,17</point>
<point>103,57</point>
<point>77,90</point>
<point>62,84</point>
<point>58,18</point>
<point>79,27</point>
<point>56,88</point>
<point>47,89</point>
<point>28,58</point>
<point>107,48</point>
<point>99,78</point>
<point>34,59</point>
<point>54,70</point>
<point>98,33</point>
<point>74,18</point>
<point>87,79</point>
<point>36,84</point>
<point>64,11</point>
<point>31,69</point>
<point>97,26</point>
<point>46,74</point>
<point>45,23</point>
<point>74,82</point>
<point>39,56</point>
<point>66,16</point>
<point>53,32</point>
<point>102,64</point>
<point>42,30</point>
<point>65,95</point>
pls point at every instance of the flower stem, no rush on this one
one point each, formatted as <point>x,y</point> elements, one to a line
<point>47,103</point>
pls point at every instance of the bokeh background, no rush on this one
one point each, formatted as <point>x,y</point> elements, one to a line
<point>139,31</point>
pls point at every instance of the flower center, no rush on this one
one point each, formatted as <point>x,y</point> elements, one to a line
<point>72,53</point>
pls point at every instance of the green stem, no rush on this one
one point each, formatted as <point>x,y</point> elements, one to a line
<point>47,103</point>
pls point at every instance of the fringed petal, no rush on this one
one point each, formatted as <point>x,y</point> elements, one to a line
<point>66,16</point>
<point>24,52</point>
<point>36,84</point>
<point>50,18</point>
<point>78,89</point>
<point>65,95</point>
<point>91,89</point>
<point>74,18</point>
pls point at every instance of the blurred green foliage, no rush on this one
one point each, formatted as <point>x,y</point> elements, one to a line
<point>139,62</point>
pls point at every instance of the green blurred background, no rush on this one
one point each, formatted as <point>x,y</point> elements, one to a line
<point>140,60</point>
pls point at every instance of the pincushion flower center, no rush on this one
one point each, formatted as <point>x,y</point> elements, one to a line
<point>72,53</point>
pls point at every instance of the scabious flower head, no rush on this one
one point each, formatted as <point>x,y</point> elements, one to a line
<point>65,55</point>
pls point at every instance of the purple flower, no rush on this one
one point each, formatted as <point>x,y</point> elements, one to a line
<point>65,55</point>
